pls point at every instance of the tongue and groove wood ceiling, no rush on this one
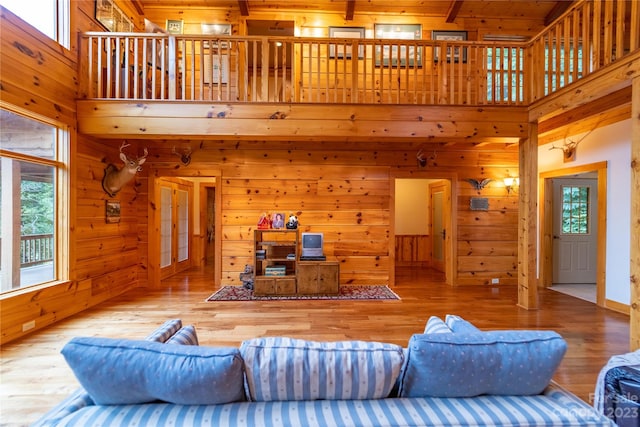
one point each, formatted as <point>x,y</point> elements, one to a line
<point>543,11</point>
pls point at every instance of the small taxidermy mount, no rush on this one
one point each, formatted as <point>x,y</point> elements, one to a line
<point>185,156</point>
<point>570,148</point>
<point>114,179</point>
<point>424,160</point>
<point>478,184</point>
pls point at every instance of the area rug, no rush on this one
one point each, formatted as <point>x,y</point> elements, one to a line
<point>348,292</point>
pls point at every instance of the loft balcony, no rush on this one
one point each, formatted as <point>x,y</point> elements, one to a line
<point>206,71</point>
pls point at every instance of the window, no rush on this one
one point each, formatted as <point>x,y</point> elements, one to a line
<point>50,17</point>
<point>32,180</point>
<point>575,209</point>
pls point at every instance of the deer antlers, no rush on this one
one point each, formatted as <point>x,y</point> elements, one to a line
<point>422,160</point>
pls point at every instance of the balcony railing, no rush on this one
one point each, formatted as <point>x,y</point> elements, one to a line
<point>136,66</point>
<point>35,249</point>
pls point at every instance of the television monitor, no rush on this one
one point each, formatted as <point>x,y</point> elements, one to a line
<point>312,244</point>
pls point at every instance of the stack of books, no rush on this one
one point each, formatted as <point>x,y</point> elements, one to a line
<point>275,270</point>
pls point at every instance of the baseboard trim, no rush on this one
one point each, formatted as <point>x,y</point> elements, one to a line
<point>618,306</point>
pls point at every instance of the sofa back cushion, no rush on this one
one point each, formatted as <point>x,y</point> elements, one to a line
<point>185,336</point>
<point>116,371</point>
<point>472,364</point>
<point>281,369</point>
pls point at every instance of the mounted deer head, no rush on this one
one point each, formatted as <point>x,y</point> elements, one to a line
<point>114,179</point>
<point>424,160</point>
<point>185,156</point>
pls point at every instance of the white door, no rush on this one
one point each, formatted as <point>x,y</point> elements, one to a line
<point>438,227</point>
<point>575,203</point>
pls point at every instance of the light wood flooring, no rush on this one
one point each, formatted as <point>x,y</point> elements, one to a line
<point>34,376</point>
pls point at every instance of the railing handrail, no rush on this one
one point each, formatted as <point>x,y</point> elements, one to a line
<point>384,71</point>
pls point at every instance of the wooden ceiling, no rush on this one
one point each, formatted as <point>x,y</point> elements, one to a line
<point>544,11</point>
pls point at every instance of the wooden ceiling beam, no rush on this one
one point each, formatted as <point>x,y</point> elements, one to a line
<point>454,8</point>
<point>138,6</point>
<point>559,8</point>
<point>351,8</point>
<point>244,7</point>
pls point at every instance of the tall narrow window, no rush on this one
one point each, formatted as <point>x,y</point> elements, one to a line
<point>30,184</point>
<point>575,209</point>
<point>183,225</point>
<point>50,17</point>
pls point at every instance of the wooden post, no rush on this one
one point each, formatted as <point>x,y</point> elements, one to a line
<point>634,256</point>
<point>527,220</point>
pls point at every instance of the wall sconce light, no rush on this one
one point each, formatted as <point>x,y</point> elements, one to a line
<point>510,183</point>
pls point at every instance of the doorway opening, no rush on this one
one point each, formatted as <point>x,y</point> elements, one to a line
<point>422,224</point>
<point>573,232</point>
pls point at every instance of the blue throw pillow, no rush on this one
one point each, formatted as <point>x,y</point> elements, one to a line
<point>436,325</point>
<point>185,336</point>
<point>495,362</point>
<point>458,325</point>
<point>116,371</point>
<point>282,369</point>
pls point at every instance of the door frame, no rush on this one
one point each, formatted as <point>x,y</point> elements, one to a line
<point>546,225</point>
<point>153,214</point>
<point>450,245</point>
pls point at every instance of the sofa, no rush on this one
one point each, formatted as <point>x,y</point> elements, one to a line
<point>451,374</point>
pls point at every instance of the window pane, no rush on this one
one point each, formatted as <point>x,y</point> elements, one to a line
<point>183,225</point>
<point>39,13</point>
<point>575,210</point>
<point>27,220</point>
<point>22,135</point>
<point>165,226</point>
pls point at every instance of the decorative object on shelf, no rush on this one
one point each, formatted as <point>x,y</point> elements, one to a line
<point>264,222</point>
<point>185,156</point>
<point>453,36</point>
<point>246,277</point>
<point>292,224</point>
<point>114,179</point>
<point>478,184</point>
<point>423,161</point>
<point>175,26</point>
<point>277,220</point>
<point>389,55</point>
<point>511,184</point>
<point>342,51</point>
<point>112,211</point>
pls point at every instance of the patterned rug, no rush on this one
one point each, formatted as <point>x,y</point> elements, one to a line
<point>348,292</point>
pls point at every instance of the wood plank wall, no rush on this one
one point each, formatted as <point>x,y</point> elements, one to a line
<point>105,259</point>
<point>342,190</point>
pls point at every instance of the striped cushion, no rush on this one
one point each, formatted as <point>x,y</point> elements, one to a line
<point>165,331</point>
<point>554,408</point>
<point>436,325</point>
<point>185,336</point>
<point>279,369</point>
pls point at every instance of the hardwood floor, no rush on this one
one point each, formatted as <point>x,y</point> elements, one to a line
<point>34,376</point>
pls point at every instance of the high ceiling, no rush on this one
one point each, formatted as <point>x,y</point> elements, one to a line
<point>544,11</point>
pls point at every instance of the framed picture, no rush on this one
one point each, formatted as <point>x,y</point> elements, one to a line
<point>112,17</point>
<point>344,51</point>
<point>389,55</point>
<point>220,65</point>
<point>277,220</point>
<point>112,211</point>
<point>215,30</point>
<point>450,35</point>
<point>175,26</point>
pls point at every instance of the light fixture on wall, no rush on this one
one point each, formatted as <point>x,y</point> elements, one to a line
<point>511,184</point>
